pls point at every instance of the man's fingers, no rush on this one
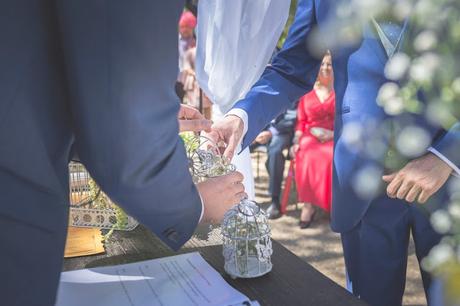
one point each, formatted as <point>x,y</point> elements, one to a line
<point>195,125</point>
<point>237,188</point>
<point>406,185</point>
<point>212,135</point>
<point>388,178</point>
<point>234,177</point>
<point>394,186</point>
<point>217,138</point>
<point>231,147</point>
<point>189,112</point>
<point>423,196</point>
<point>238,197</point>
<point>413,193</point>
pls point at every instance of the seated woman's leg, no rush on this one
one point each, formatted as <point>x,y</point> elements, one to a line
<point>307,215</point>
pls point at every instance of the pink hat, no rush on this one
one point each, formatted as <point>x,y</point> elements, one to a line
<point>187,19</point>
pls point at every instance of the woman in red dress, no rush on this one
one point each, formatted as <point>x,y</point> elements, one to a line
<point>313,145</point>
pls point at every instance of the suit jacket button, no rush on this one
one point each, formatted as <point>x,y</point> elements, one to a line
<point>172,235</point>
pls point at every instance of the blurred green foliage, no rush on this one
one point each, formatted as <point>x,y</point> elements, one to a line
<point>289,22</point>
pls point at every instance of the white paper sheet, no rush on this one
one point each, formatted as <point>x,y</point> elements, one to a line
<point>177,280</point>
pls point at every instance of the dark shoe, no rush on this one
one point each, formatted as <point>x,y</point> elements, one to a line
<point>273,212</point>
<point>306,224</point>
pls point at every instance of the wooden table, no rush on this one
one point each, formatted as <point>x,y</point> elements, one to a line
<point>291,282</point>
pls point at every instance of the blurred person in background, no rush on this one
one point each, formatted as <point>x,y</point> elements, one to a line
<point>193,95</point>
<point>187,40</point>
<point>313,145</point>
<point>277,137</point>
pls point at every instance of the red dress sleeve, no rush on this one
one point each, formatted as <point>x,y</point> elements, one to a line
<point>301,115</point>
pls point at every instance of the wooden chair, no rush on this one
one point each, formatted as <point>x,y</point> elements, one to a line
<point>290,179</point>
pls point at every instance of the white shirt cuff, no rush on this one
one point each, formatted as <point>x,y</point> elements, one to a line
<point>202,208</point>
<point>243,116</point>
<point>444,159</point>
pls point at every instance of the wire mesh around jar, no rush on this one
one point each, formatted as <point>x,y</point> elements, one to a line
<point>245,221</point>
<point>204,158</point>
<point>247,246</point>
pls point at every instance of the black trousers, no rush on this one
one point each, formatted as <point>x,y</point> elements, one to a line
<point>275,162</point>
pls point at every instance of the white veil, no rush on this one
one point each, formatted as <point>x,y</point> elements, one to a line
<point>235,40</point>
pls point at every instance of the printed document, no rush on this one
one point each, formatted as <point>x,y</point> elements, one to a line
<point>185,279</point>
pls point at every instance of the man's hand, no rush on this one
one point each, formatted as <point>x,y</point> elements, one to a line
<point>219,194</point>
<point>227,134</point>
<point>263,137</point>
<point>420,178</point>
<point>190,119</point>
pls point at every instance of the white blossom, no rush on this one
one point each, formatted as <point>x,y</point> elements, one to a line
<point>402,9</point>
<point>438,255</point>
<point>394,106</point>
<point>352,135</point>
<point>366,182</point>
<point>344,10</point>
<point>388,97</point>
<point>387,91</point>
<point>367,8</point>
<point>456,85</point>
<point>441,221</point>
<point>376,147</point>
<point>454,210</point>
<point>397,66</point>
<point>423,68</point>
<point>425,41</point>
<point>438,113</point>
<point>424,9</point>
<point>412,141</point>
<point>454,190</point>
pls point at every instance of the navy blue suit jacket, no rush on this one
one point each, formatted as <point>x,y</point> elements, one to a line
<point>97,75</point>
<point>359,73</point>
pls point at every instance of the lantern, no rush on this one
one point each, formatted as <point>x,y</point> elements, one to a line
<point>247,246</point>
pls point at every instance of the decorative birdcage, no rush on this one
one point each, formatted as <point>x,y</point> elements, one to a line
<point>90,206</point>
<point>247,247</point>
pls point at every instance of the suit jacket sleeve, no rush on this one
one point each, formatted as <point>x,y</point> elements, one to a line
<point>291,75</point>
<point>121,68</point>
<point>448,144</point>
